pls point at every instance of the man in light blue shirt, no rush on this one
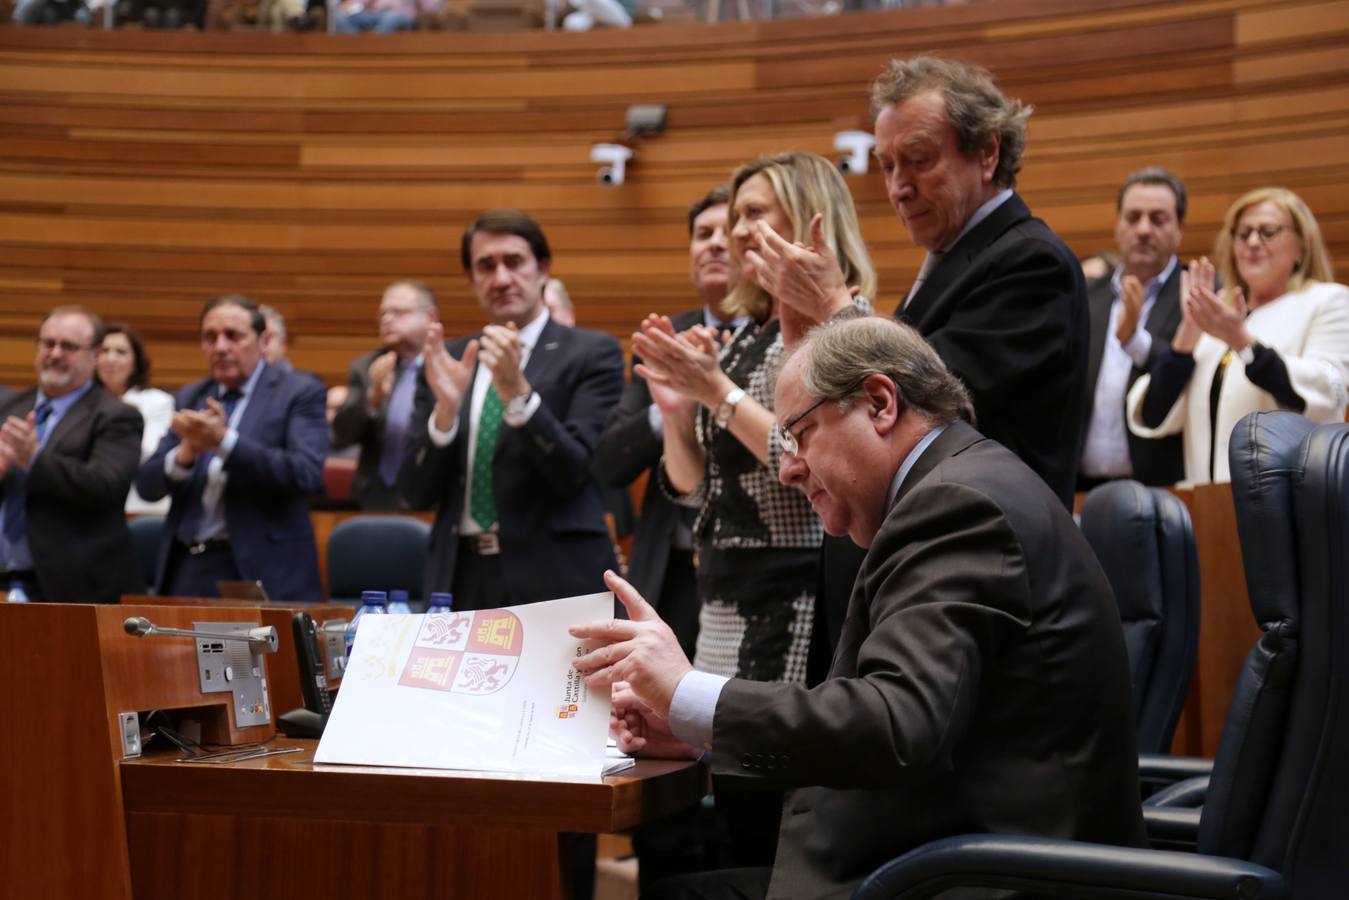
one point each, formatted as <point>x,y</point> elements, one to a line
<point>980,682</point>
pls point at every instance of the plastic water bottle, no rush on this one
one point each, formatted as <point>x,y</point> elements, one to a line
<point>372,603</point>
<point>398,603</point>
<point>16,593</point>
<point>441,604</point>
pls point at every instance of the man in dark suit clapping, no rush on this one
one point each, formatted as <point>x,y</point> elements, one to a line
<point>68,452</point>
<point>245,450</point>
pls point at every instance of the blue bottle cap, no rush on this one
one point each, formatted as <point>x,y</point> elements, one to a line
<point>442,598</point>
<point>379,597</point>
<point>397,595</point>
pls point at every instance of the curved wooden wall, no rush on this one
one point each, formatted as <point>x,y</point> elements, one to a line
<point>142,172</point>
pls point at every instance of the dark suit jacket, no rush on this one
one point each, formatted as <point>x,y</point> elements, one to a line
<point>76,494</point>
<point>627,448</point>
<point>276,464</point>
<point>355,424</point>
<point>1006,310</point>
<point>980,685</point>
<point>554,541</point>
<point>1157,462</point>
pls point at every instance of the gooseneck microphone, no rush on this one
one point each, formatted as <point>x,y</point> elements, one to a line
<point>260,640</point>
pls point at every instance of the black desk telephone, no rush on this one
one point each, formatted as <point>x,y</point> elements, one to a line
<point>308,721</point>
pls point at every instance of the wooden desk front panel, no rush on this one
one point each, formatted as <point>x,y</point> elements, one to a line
<point>289,828</point>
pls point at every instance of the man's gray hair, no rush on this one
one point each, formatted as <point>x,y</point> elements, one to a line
<point>842,353</point>
<point>975,107</point>
<point>275,321</point>
<point>426,297</point>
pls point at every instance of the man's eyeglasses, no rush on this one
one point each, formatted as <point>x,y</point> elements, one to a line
<point>789,441</point>
<point>1266,233</point>
<point>48,345</point>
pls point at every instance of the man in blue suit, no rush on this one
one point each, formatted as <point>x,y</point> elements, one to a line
<point>245,449</point>
<point>504,431</point>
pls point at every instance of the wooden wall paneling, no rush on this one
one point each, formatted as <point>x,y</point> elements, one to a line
<point>143,172</point>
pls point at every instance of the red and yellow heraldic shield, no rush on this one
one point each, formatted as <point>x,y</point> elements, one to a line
<point>465,653</point>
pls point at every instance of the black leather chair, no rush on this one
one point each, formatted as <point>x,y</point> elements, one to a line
<point>1144,540</point>
<point>1275,818</point>
<point>377,553</point>
<point>145,533</point>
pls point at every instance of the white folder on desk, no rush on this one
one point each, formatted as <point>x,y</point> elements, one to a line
<point>488,690</point>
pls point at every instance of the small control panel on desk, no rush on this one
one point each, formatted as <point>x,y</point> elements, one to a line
<point>235,667</point>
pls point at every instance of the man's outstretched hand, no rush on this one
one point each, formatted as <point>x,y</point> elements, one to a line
<point>641,651</point>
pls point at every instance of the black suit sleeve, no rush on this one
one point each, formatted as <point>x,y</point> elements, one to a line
<point>628,447</point>
<point>562,448</point>
<point>354,420</point>
<point>102,475</point>
<point>941,602</point>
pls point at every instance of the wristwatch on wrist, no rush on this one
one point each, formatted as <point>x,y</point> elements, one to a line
<point>1247,354</point>
<point>725,410</point>
<point>515,409</point>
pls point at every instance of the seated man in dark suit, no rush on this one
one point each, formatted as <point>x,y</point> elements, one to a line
<point>381,388</point>
<point>68,452</point>
<point>245,449</point>
<point>980,684</point>
<point>504,431</point>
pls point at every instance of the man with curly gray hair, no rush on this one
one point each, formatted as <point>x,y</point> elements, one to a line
<point>999,296</point>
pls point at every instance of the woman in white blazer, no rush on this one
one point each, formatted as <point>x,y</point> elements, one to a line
<point>124,370</point>
<point>1275,337</point>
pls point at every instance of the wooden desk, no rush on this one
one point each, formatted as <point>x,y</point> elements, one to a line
<point>284,827</point>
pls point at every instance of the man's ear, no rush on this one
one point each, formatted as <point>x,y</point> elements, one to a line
<point>988,157</point>
<point>884,405</point>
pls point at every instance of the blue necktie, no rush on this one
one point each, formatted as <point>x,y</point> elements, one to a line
<point>194,514</point>
<point>396,419</point>
<point>16,500</point>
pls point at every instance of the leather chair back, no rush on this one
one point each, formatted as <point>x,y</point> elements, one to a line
<point>377,553</point>
<point>145,534</point>
<point>1280,789</point>
<point>1144,540</point>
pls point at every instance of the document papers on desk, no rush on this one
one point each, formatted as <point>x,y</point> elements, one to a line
<point>488,690</point>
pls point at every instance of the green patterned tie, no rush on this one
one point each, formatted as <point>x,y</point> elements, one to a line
<point>483,506</point>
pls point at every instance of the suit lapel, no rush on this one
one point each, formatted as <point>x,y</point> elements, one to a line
<point>73,419</point>
<point>262,390</point>
<point>1099,300</point>
<point>958,259</point>
<point>1165,315</point>
<point>545,353</point>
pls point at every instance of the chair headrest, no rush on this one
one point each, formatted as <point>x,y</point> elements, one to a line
<point>1266,460</point>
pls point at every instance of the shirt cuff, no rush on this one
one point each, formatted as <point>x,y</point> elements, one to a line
<point>441,438</point>
<point>655,420</point>
<point>172,470</point>
<point>693,706</point>
<point>227,444</point>
<point>530,407</point>
<point>1139,346</point>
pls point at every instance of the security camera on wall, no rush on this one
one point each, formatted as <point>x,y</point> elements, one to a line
<point>857,144</point>
<point>613,159</point>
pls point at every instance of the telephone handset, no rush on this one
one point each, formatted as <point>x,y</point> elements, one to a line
<point>309,721</point>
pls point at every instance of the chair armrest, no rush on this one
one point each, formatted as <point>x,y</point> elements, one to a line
<point>1067,868</point>
<point>1172,827</point>
<point>1187,794</point>
<point>1170,769</point>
